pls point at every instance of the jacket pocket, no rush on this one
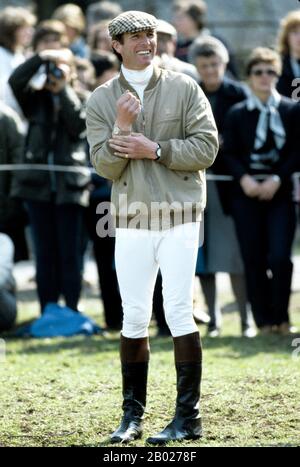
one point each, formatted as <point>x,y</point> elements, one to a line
<point>168,127</point>
<point>31,177</point>
<point>188,176</point>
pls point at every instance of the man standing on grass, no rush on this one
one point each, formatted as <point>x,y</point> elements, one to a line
<point>152,133</point>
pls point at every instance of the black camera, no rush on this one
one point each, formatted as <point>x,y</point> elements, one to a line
<point>53,71</point>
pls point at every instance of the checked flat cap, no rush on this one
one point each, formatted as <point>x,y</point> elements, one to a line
<point>131,21</point>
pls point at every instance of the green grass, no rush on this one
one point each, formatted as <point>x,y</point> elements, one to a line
<point>66,392</point>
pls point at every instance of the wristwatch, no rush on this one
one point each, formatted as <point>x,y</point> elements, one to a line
<point>118,131</point>
<point>158,152</point>
<point>276,178</point>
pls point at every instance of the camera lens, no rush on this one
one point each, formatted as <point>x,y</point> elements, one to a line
<point>57,73</point>
<point>54,71</point>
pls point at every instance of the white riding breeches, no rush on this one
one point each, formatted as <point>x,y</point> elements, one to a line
<point>139,254</point>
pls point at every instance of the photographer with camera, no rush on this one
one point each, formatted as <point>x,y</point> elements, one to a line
<point>43,86</point>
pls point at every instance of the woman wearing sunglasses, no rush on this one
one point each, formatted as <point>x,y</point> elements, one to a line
<point>261,149</point>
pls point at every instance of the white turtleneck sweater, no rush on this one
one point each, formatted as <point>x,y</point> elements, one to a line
<point>138,79</point>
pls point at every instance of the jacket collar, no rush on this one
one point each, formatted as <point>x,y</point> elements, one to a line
<point>152,83</point>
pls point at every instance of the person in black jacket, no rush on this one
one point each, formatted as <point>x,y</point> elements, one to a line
<point>13,217</point>
<point>56,135</point>
<point>289,47</point>
<point>211,58</point>
<point>261,147</point>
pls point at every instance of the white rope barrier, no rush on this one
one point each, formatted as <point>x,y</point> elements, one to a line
<point>45,167</point>
<point>88,170</point>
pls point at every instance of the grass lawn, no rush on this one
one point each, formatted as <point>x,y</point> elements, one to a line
<point>66,392</point>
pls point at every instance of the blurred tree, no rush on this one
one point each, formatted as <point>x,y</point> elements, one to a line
<point>45,8</point>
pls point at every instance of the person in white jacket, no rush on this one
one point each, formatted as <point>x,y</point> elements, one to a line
<point>8,306</point>
<point>16,29</point>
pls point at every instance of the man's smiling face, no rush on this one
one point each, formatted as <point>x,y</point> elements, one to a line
<point>137,49</point>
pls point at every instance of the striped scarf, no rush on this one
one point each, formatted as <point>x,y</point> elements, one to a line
<point>269,109</point>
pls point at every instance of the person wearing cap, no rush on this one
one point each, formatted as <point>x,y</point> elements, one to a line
<point>166,47</point>
<point>152,132</point>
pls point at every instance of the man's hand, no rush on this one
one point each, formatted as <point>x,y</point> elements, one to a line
<point>268,189</point>
<point>56,55</point>
<point>62,58</point>
<point>128,108</point>
<point>135,146</point>
<point>250,186</point>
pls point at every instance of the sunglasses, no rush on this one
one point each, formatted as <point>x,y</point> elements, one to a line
<point>260,72</point>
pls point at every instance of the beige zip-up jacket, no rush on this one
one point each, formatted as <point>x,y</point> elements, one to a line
<point>177,115</point>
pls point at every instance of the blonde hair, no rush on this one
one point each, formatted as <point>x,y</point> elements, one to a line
<point>287,24</point>
<point>264,55</point>
<point>71,15</point>
<point>12,19</point>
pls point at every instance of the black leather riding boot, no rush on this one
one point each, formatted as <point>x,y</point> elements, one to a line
<point>134,360</point>
<point>186,423</point>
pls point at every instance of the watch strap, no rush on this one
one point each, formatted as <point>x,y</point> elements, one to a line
<point>119,131</point>
<point>158,152</point>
